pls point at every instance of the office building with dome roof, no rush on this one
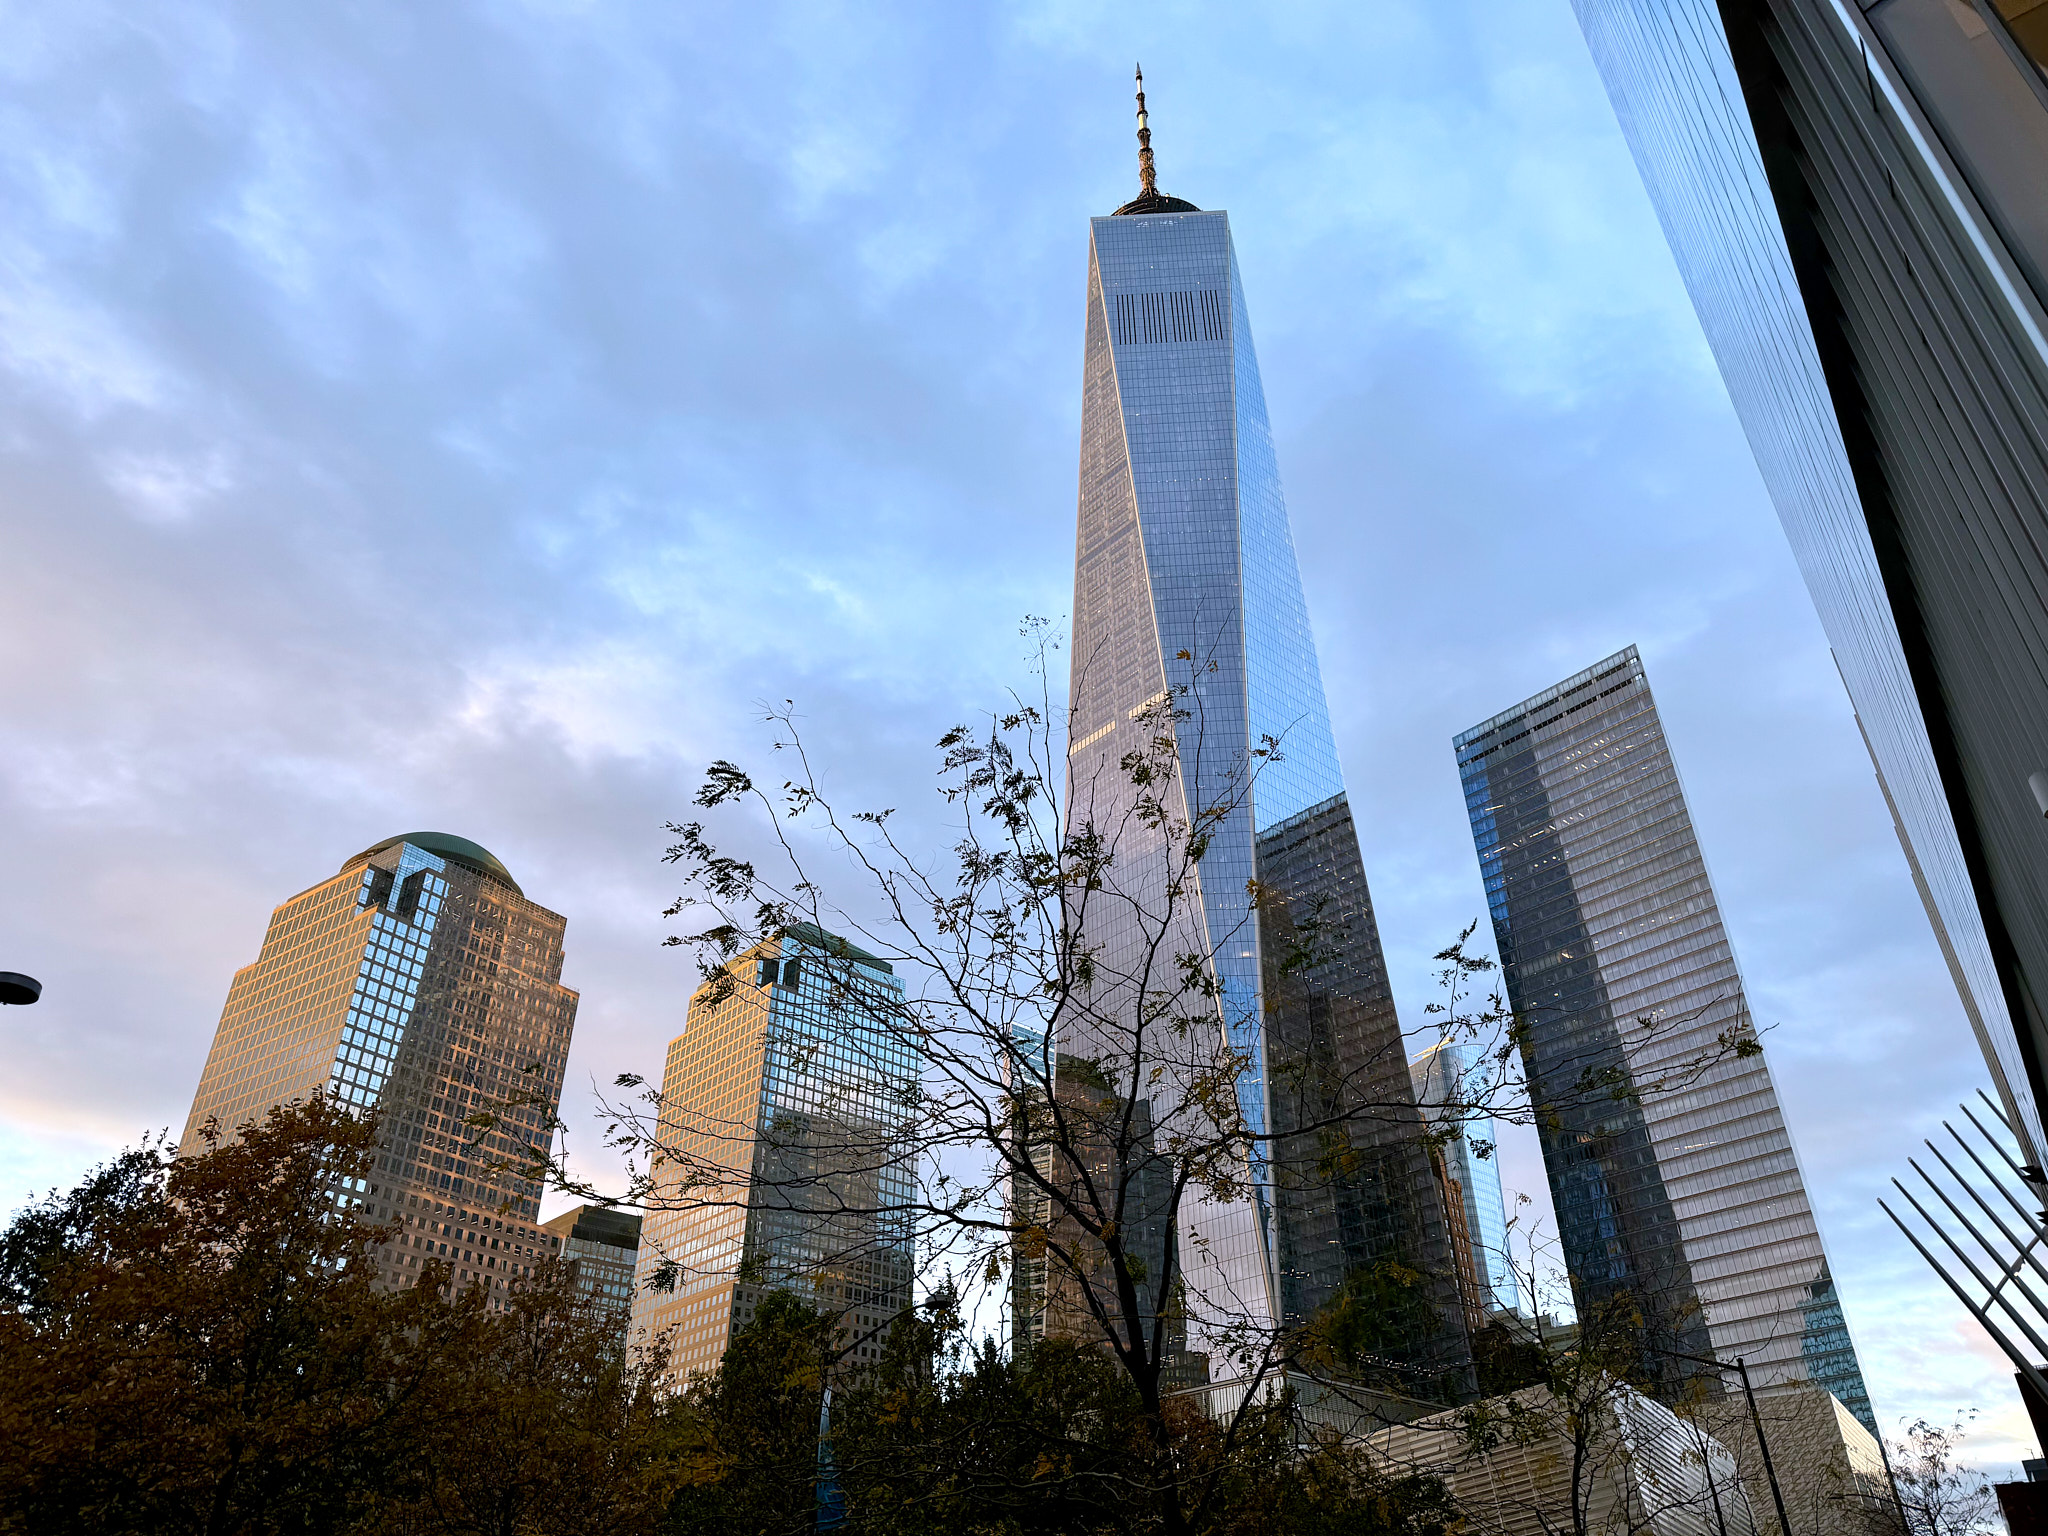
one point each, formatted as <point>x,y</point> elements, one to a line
<point>418,982</point>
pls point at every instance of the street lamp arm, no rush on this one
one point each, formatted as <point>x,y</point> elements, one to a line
<point>1756,1419</point>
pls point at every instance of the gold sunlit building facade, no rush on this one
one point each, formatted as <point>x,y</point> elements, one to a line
<point>418,983</point>
<point>787,1158</point>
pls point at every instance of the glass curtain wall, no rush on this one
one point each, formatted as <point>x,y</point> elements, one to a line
<point>1854,198</point>
<point>1685,1195</point>
<point>1188,600</point>
<point>784,1104</point>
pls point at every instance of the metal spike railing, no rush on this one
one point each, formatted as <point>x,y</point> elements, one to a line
<point>2006,1238</point>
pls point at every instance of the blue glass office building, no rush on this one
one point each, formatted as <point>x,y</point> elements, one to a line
<point>1856,199</point>
<point>1447,1075</point>
<point>1185,578</point>
<point>1686,1195</point>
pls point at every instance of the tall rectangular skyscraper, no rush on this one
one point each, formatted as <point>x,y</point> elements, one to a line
<point>1855,197</point>
<point>421,984</point>
<point>788,1158</point>
<point>601,1246</point>
<point>1188,603</point>
<point>1689,1200</point>
<point>1444,1075</point>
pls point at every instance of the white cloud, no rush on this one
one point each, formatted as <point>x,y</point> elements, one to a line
<point>425,417</point>
<point>166,488</point>
<point>70,352</point>
<point>612,699</point>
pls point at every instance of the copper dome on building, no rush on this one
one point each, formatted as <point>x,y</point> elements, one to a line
<point>448,846</point>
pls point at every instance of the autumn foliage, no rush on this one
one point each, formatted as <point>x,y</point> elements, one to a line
<point>195,1345</point>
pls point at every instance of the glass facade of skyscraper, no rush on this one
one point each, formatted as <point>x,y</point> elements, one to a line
<point>1855,200</point>
<point>1188,600</point>
<point>788,1158</point>
<point>1444,1075</point>
<point>1685,1193</point>
<point>602,1245</point>
<point>421,984</point>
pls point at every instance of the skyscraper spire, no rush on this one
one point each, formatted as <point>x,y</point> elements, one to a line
<point>1148,178</point>
<point>1176,468</point>
<point>1150,199</point>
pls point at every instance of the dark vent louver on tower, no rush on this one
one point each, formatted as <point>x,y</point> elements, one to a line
<point>1190,315</point>
<point>1153,307</point>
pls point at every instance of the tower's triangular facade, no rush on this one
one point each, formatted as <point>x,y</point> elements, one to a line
<point>1187,599</point>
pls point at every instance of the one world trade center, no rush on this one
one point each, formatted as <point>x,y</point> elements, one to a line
<point>1191,638</point>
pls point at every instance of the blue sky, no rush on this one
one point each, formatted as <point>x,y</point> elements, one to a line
<point>460,417</point>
